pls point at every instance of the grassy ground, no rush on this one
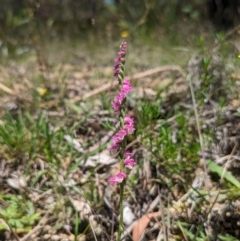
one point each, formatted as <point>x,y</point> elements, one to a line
<point>56,123</point>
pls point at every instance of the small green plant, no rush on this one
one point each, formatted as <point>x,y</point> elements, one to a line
<point>19,213</point>
<point>22,136</point>
<point>14,136</point>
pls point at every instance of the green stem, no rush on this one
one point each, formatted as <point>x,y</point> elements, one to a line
<point>120,227</point>
<point>121,156</point>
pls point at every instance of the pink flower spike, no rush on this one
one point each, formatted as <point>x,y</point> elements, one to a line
<point>129,128</point>
<point>130,163</point>
<point>127,154</point>
<point>129,120</point>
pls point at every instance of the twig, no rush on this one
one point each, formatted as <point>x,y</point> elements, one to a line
<point>93,231</point>
<point>226,158</point>
<point>28,235</point>
<point>228,161</point>
<point>227,36</point>
<point>197,123</point>
<point>165,231</point>
<point>6,89</point>
<point>110,85</point>
<point>35,229</point>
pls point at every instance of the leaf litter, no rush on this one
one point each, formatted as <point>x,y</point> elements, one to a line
<point>68,190</point>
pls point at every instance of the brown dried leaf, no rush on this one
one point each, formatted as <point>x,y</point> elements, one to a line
<point>141,225</point>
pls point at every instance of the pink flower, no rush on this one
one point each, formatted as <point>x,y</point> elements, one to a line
<point>126,88</point>
<point>114,147</point>
<point>118,60</point>
<point>129,163</point>
<point>124,46</point>
<point>127,154</point>
<point>116,73</point>
<point>129,128</point>
<point>121,53</point>
<point>126,82</point>
<point>119,98</point>
<point>116,66</point>
<point>118,178</point>
<point>116,106</point>
<point>116,139</point>
<point>129,120</point>
<point>121,134</point>
<point>117,69</point>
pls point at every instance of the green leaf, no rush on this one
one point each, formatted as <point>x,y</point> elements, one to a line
<point>107,125</point>
<point>15,223</point>
<point>227,238</point>
<point>3,226</point>
<point>73,107</point>
<point>184,227</point>
<point>213,167</point>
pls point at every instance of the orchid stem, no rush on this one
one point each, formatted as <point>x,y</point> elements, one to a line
<point>120,227</point>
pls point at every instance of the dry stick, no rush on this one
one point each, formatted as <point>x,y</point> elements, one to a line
<point>94,234</point>
<point>230,157</point>
<point>6,89</point>
<point>165,232</point>
<point>231,32</point>
<point>12,231</point>
<point>110,85</point>
<point>28,235</point>
<point>42,222</point>
<point>228,35</point>
<point>226,158</point>
<point>197,122</point>
<point>102,141</point>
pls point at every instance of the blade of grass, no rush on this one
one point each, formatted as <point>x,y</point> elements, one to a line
<point>213,167</point>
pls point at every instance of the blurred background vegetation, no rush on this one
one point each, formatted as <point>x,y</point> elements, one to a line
<point>25,22</point>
